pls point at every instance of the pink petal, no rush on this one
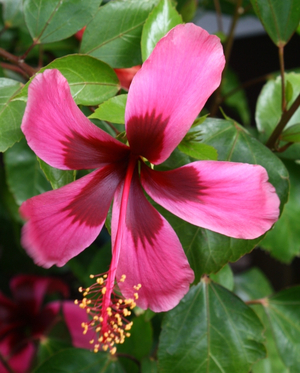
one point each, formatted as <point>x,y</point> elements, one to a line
<point>170,90</point>
<point>21,358</point>
<point>29,291</point>
<point>151,254</point>
<point>74,316</point>
<point>59,133</point>
<point>234,199</point>
<point>125,76</point>
<point>63,222</point>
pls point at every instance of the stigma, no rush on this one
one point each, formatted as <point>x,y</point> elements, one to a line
<point>108,311</point>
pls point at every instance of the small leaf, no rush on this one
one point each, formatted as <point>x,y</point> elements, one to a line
<point>279,18</point>
<point>56,177</point>
<point>283,311</point>
<point>224,277</point>
<point>283,241</point>
<point>198,150</point>
<point>53,20</point>
<point>11,113</point>
<point>114,34</point>
<point>75,360</point>
<point>23,173</point>
<point>112,110</point>
<point>91,81</point>
<point>291,134</point>
<point>210,331</point>
<point>161,20</point>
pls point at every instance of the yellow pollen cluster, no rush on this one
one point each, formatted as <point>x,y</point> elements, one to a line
<point>109,324</point>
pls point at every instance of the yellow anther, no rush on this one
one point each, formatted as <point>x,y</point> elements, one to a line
<point>82,305</point>
<point>83,324</point>
<point>100,280</point>
<point>123,277</point>
<point>120,301</point>
<point>76,301</point>
<point>101,319</point>
<point>105,347</point>
<point>80,289</point>
<point>113,350</point>
<point>91,341</point>
<point>103,291</point>
<point>129,326</point>
<point>96,350</point>
<point>128,335</point>
<point>92,276</point>
<point>98,329</point>
<point>136,296</point>
<point>100,339</point>
<point>95,317</point>
<point>88,310</point>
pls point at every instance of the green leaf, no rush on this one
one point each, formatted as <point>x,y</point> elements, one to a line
<point>272,363</point>
<point>198,150</point>
<point>268,110</point>
<point>252,284</point>
<point>11,113</point>
<point>187,9</point>
<point>224,277</point>
<point>148,365</point>
<point>161,20</point>
<point>114,33</point>
<point>53,20</point>
<point>138,345</point>
<point>56,177</point>
<point>279,18</point>
<point>75,360</point>
<point>112,110</point>
<point>289,92</point>
<point>210,331</point>
<point>23,173</point>
<point>283,241</point>
<point>50,346</point>
<point>238,101</point>
<point>13,13</point>
<point>291,134</point>
<point>91,81</point>
<point>283,311</point>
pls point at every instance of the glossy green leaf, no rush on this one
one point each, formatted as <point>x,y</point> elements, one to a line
<point>252,284</point>
<point>291,134</point>
<point>283,241</point>
<point>91,81</point>
<point>75,360</point>
<point>198,150</point>
<point>161,20</point>
<point>224,277</point>
<point>114,34</point>
<point>268,110</point>
<point>13,13</point>
<point>283,311</point>
<point>11,113</point>
<point>279,18</point>
<point>210,331</point>
<point>112,110</point>
<point>57,178</point>
<point>53,20</point>
<point>23,173</point>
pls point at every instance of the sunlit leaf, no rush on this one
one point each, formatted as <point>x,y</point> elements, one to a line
<point>112,110</point>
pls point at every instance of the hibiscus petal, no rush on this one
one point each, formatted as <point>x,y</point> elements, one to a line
<point>151,254</point>
<point>74,316</point>
<point>170,90</point>
<point>234,199</point>
<point>59,133</point>
<point>29,291</point>
<point>63,222</point>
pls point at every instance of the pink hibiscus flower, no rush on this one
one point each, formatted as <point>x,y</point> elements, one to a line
<point>25,320</point>
<point>165,97</point>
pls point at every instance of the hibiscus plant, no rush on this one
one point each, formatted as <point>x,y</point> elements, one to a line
<point>124,177</point>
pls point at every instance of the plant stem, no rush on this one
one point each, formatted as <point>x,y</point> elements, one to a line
<point>17,69</point>
<point>263,301</point>
<point>28,50</point>
<point>219,15</point>
<point>16,61</point>
<point>281,62</point>
<point>227,52</point>
<point>286,116</point>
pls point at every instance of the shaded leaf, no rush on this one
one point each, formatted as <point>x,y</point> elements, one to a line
<point>224,277</point>
<point>210,331</point>
<point>11,113</point>
<point>187,9</point>
<point>23,173</point>
<point>148,366</point>
<point>53,20</point>
<point>279,18</point>
<point>91,81</point>
<point>291,134</point>
<point>112,110</point>
<point>114,34</point>
<point>13,13</point>
<point>57,178</point>
<point>75,360</point>
<point>161,20</point>
<point>283,241</point>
